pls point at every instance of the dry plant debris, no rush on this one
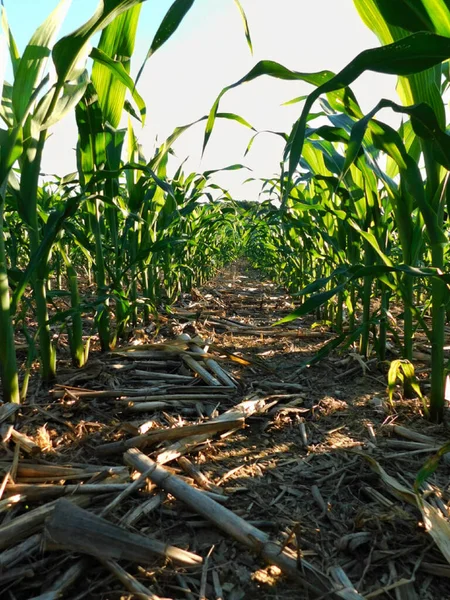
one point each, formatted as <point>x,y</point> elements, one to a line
<point>205,463</point>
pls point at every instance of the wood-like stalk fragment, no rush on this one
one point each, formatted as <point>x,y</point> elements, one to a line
<point>199,478</point>
<point>37,472</point>
<point>64,581</point>
<point>21,551</point>
<point>201,371</point>
<point>175,398</point>
<point>7,410</point>
<point>172,377</point>
<point>78,530</point>
<point>143,407</point>
<point>26,443</point>
<point>229,522</point>
<point>127,491</point>
<point>134,586</point>
<point>221,374</point>
<point>143,441</point>
<point>244,409</point>
<point>30,522</point>
<point>145,508</point>
<point>44,491</point>
<point>412,435</point>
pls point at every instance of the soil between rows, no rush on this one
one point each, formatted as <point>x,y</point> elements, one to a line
<point>296,470</point>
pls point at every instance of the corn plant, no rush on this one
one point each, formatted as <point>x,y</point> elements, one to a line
<point>416,44</point>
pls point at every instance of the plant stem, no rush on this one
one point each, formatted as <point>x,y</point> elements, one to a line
<point>439,297</point>
<point>8,362</point>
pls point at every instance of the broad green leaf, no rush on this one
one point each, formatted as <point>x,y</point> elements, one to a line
<point>439,13</point>
<point>72,93</point>
<point>407,14</point>
<point>13,50</point>
<point>357,272</point>
<point>340,99</point>
<point>70,52</point>
<point>381,18</point>
<point>387,139</point>
<point>50,233</point>
<point>117,42</point>
<point>93,138</point>
<point>404,370</point>
<point>11,147</point>
<point>410,55</point>
<point>34,59</point>
<point>118,71</point>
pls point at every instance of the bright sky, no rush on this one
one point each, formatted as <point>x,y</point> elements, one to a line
<point>209,51</point>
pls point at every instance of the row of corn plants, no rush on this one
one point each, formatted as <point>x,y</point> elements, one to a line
<point>361,210</point>
<point>139,237</point>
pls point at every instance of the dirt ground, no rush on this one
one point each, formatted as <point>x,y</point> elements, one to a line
<point>306,462</point>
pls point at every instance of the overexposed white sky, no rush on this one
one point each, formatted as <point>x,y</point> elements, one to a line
<point>208,52</point>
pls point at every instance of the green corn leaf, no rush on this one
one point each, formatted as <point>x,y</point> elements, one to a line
<point>410,55</point>
<point>339,99</point>
<point>430,466</point>
<point>165,147</point>
<point>246,27</point>
<point>11,147</point>
<point>284,136</point>
<point>70,52</point>
<point>439,14</point>
<point>54,225</point>
<point>371,238</point>
<point>117,42</point>
<point>34,59</point>
<point>420,87</point>
<point>404,370</point>
<point>294,100</point>
<point>407,14</point>
<point>236,167</point>
<point>357,272</point>
<point>93,138</point>
<point>72,93</point>
<point>13,50</point>
<point>6,110</point>
<point>169,25</point>
<point>388,140</point>
<point>118,71</point>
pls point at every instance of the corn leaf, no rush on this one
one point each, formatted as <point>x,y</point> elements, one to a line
<point>13,50</point>
<point>387,139</point>
<point>439,13</point>
<point>339,98</point>
<point>430,466</point>
<point>34,59</point>
<point>70,52</point>
<point>410,55</point>
<point>118,71</point>
<point>93,138</point>
<point>72,93</point>
<point>246,27</point>
<point>117,42</point>
<point>356,272</point>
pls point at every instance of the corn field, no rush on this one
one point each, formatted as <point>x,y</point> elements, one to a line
<point>355,225</point>
<point>359,210</point>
